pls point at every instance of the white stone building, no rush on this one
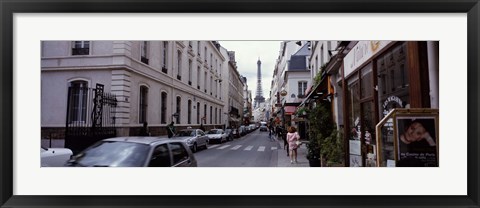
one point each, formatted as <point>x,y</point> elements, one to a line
<point>153,81</point>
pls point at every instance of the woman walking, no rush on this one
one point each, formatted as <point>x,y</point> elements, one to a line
<point>292,138</point>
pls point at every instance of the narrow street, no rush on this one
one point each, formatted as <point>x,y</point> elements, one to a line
<point>252,150</point>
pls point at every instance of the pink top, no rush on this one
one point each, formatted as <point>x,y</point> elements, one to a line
<point>291,139</point>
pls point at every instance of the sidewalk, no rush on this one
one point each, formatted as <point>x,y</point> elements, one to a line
<point>284,160</point>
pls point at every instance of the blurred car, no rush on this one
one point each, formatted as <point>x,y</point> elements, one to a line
<point>235,133</point>
<point>229,133</point>
<point>194,138</point>
<point>253,127</point>
<point>217,135</point>
<point>242,130</point>
<point>135,152</point>
<point>54,157</point>
<point>263,126</point>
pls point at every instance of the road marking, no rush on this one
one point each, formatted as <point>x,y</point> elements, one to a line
<point>236,147</point>
<point>224,146</point>
<point>248,148</point>
<point>274,148</point>
<point>261,149</point>
<point>213,146</point>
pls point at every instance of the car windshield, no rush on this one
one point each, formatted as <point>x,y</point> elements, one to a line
<point>214,132</point>
<point>113,154</point>
<point>185,133</point>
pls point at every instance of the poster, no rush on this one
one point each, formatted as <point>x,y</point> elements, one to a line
<point>417,142</point>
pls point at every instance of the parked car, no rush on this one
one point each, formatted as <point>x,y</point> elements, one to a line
<point>135,152</point>
<point>229,133</point>
<point>194,138</point>
<point>217,135</point>
<point>253,127</point>
<point>235,133</point>
<point>242,130</point>
<point>54,157</point>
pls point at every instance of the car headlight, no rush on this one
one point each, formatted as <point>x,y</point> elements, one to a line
<point>189,141</point>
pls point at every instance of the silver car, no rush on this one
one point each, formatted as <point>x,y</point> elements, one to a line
<point>54,157</point>
<point>194,138</point>
<point>217,135</point>
<point>135,152</point>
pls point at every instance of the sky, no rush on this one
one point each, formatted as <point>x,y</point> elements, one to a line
<point>247,54</point>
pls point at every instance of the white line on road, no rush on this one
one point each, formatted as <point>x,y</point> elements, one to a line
<point>248,148</point>
<point>261,149</point>
<point>224,146</point>
<point>274,148</point>
<point>213,146</point>
<point>236,147</point>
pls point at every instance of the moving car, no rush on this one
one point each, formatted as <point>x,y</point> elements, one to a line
<point>54,157</point>
<point>135,152</point>
<point>217,135</point>
<point>194,138</point>
<point>263,126</point>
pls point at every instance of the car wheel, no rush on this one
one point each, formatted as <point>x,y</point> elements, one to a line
<point>194,147</point>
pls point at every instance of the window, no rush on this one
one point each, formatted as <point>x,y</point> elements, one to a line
<point>198,112</point>
<point>179,65</point>
<point>189,112</point>
<point>81,48</point>
<point>190,44</point>
<point>160,157</point>
<point>190,72</point>
<point>302,87</point>
<point>163,107</point>
<point>78,91</point>
<point>205,83</point>
<point>164,55</point>
<point>205,113</point>
<point>198,78</point>
<point>205,54</point>
<point>220,114</point>
<point>211,85</point>
<point>216,115</point>
<point>143,104</point>
<point>179,109</point>
<point>179,153</point>
<point>198,48</point>
<point>211,115</point>
<point>144,50</point>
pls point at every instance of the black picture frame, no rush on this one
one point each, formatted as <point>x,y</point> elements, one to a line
<point>10,7</point>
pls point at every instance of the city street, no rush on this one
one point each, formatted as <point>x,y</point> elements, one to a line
<point>252,150</point>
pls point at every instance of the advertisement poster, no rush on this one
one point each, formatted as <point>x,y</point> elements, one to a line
<point>417,142</point>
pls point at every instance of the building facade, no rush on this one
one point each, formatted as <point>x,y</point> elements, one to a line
<point>154,82</point>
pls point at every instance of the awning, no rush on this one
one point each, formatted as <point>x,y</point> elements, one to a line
<point>290,110</point>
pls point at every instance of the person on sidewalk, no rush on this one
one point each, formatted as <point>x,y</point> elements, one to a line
<point>171,130</point>
<point>292,138</point>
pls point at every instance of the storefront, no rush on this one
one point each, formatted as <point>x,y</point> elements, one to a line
<point>380,76</point>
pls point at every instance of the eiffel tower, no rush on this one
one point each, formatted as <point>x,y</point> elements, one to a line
<point>259,95</point>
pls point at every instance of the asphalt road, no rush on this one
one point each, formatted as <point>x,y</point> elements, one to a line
<point>252,150</point>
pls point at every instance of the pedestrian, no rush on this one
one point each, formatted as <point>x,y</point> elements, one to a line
<point>144,130</point>
<point>293,138</point>
<point>171,129</point>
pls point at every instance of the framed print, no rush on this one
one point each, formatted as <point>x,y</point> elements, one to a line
<point>451,136</point>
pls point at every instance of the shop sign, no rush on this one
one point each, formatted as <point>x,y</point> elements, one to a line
<point>355,147</point>
<point>390,102</point>
<point>361,53</point>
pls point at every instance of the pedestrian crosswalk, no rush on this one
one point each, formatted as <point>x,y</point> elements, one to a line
<point>245,147</point>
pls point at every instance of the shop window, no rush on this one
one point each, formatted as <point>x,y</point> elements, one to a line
<point>393,82</point>
<point>354,109</point>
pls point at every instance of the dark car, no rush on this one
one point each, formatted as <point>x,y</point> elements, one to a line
<point>229,133</point>
<point>235,133</point>
<point>135,152</point>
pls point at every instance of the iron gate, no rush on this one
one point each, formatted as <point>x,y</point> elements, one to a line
<point>90,116</point>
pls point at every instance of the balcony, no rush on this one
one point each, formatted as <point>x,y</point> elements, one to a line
<point>80,51</point>
<point>144,60</point>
